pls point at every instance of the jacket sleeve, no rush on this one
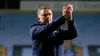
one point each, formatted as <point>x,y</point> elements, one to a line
<point>71,33</point>
<point>42,31</point>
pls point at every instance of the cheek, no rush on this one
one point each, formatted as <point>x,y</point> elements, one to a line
<point>51,18</point>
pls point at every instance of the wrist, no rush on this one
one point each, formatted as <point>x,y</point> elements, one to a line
<point>69,18</point>
<point>65,17</point>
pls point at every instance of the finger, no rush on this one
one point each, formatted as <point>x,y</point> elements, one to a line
<point>70,5</point>
<point>64,7</point>
<point>70,9</point>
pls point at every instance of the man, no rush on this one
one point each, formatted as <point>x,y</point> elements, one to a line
<point>47,36</point>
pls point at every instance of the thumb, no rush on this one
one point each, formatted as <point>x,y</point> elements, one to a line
<point>64,7</point>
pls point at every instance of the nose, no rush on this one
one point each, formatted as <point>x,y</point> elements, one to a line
<point>48,16</point>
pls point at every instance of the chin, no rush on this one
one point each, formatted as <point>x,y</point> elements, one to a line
<point>50,21</point>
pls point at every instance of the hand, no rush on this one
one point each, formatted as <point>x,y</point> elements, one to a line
<point>67,12</point>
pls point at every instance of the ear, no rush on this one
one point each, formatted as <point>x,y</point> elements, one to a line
<point>38,19</point>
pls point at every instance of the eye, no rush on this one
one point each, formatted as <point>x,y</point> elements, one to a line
<point>49,13</point>
<point>45,14</point>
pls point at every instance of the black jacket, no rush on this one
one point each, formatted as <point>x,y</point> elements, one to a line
<point>47,39</point>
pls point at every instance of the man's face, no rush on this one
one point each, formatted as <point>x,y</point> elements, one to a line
<point>45,16</point>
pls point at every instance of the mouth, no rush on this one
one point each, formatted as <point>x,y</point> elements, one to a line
<point>48,21</point>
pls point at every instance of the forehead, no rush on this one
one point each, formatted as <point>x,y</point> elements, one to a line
<point>45,11</point>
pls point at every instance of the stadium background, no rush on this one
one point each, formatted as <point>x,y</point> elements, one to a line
<point>16,17</point>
